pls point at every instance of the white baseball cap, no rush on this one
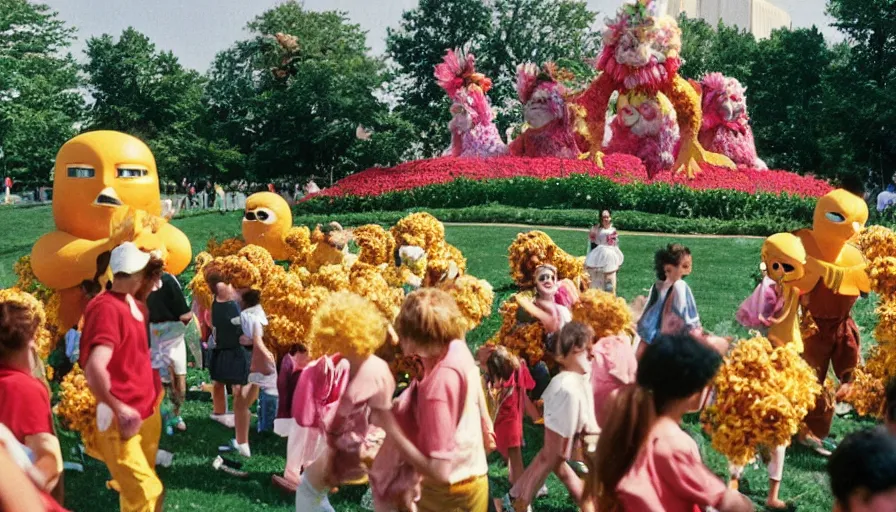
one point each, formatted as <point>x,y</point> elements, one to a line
<point>127,258</point>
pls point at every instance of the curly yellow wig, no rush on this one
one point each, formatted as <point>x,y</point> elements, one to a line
<point>474,298</point>
<point>228,247</point>
<point>348,324</point>
<point>238,271</point>
<point>606,313</point>
<point>331,277</point>
<point>298,239</point>
<point>377,245</point>
<point>419,229</point>
<point>259,257</point>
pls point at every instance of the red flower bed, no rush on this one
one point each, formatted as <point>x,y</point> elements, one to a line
<point>619,168</point>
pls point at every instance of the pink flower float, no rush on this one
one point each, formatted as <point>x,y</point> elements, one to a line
<point>646,126</point>
<point>549,127</point>
<point>726,124</point>
<point>473,132</point>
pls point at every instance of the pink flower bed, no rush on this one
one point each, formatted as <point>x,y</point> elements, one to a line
<point>617,167</point>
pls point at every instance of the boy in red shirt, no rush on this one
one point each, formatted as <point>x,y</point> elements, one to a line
<point>116,361</point>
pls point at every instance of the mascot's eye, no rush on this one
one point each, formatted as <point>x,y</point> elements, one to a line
<point>132,172</point>
<point>835,217</point>
<point>776,266</point>
<point>787,268</point>
<point>265,216</point>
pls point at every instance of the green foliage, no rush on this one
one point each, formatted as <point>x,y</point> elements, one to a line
<point>580,191</point>
<point>39,106</point>
<point>294,110</point>
<point>148,94</point>
<point>502,34</point>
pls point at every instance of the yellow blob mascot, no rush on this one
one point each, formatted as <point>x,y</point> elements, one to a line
<point>102,179</point>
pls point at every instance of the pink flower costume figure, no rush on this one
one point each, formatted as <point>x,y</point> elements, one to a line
<point>473,133</point>
<point>645,126</point>
<point>353,326</point>
<point>604,258</point>
<point>549,128</point>
<point>726,125</point>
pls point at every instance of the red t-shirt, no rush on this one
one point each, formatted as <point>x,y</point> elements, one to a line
<point>24,404</point>
<point>114,320</point>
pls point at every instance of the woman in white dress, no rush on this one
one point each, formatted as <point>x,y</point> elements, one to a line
<point>604,257</point>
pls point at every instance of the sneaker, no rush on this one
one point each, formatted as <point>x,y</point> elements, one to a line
<point>242,449</point>
<point>542,492</point>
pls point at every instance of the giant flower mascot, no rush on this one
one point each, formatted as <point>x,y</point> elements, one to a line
<point>835,278</point>
<point>105,191</point>
<point>641,54</point>
<point>726,125</point>
<point>473,131</point>
<point>645,126</point>
<point>549,126</point>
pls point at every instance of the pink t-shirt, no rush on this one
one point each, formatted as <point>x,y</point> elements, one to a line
<point>668,474</point>
<point>372,387</point>
<point>614,365</point>
<point>320,387</point>
<point>447,412</point>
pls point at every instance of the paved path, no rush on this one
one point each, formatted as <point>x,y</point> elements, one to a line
<point>583,230</point>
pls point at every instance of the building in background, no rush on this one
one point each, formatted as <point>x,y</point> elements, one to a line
<point>759,17</point>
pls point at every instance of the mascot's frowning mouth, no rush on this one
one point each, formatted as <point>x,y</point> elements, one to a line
<point>107,197</point>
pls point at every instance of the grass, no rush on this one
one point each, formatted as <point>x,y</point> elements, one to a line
<point>724,270</point>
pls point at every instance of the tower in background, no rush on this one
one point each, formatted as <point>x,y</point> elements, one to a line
<point>759,17</point>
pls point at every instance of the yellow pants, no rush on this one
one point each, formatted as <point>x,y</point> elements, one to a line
<point>132,464</point>
<point>467,496</point>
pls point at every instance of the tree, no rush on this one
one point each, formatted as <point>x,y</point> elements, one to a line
<point>502,34</point>
<point>786,99</point>
<point>726,49</point>
<point>293,95</point>
<point>39,103</point>
<point>870,29</point>
<point>148,94</point>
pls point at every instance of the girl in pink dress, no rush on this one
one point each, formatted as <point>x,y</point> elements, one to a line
<point>353,326</point>
<point>644,461</point>
<point>509,381</point>
<point>604,257</point>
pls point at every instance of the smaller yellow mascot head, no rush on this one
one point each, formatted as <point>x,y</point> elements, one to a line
<point>784,257</point>
<point>839,216</point>
<point>266,222</point>
<point>95,174</point>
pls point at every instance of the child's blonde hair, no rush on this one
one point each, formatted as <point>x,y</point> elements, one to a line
<point>348,324</point>
<point>430,317</point>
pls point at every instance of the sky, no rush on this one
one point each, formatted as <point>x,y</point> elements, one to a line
<point>196,30</point>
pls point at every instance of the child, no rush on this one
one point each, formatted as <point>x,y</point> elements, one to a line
<point>644,460</point>
<point>263,368</point>
<point>73,344</point>
<point>568,416</point>
<point>441,427</point>
<point>508,381</point>
<point>354,327</point>
<point>604,257</point>
<point>862,472</point>
<point>671,308</point>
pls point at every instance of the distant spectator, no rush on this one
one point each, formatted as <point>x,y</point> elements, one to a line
<point>863,472</point>
<point>311,188</point>
<point>887,198</point>
<point>7,186</point>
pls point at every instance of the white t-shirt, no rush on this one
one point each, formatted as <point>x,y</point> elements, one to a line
<point>886,199</point>
<point>252,321</point>
<point>569,406</point>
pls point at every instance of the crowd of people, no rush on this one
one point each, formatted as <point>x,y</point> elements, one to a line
<point>612,410</point>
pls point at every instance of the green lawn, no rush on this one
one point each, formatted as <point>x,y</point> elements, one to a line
<point>723,276</point>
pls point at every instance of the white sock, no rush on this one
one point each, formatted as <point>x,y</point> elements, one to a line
<point>309,499</point>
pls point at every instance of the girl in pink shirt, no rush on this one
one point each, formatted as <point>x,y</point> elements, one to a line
<point>644,461</point>
<point>447,407</point>
<point>354,327</point>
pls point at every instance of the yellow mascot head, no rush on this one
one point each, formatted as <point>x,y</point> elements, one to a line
<point>784,257</point>
<point>96,172</point>
<point>839,216</point>
<point>266,223</point>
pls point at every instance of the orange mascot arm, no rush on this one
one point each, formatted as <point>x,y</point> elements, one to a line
<point>178,248</point>
<point>61,260</point>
